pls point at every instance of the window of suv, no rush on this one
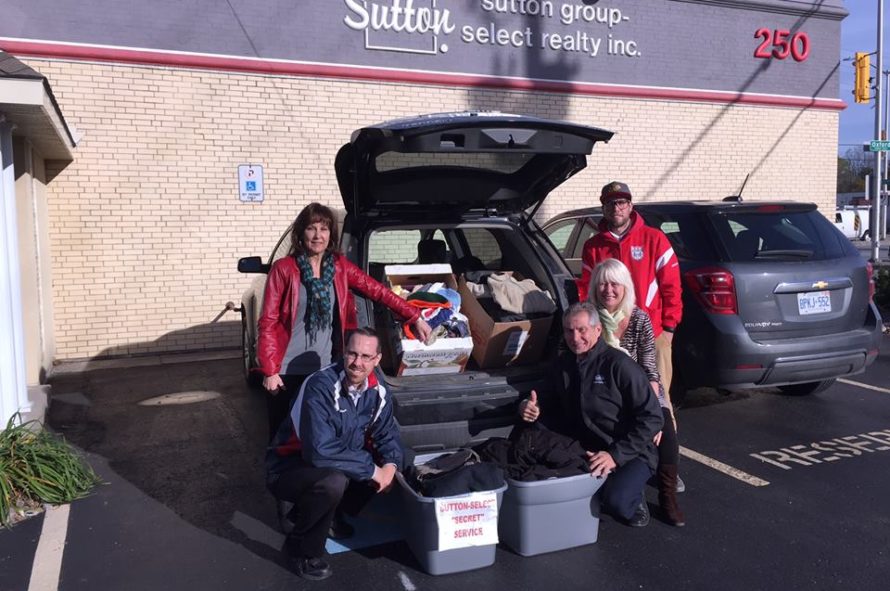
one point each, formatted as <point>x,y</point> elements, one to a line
<point>588,228</point>
<point>685,232</point>
<point>283,246</point>
<point>560,233</point>
<point>392,247</point>
<point>506,163</point>
<point>753,235</point>
<point>484,246</point>
<point>389,247</point>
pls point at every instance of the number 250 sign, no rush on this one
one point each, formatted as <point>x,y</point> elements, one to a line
<point>780,43</point>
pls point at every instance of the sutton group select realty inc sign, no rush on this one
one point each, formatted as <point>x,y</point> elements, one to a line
<point>774,47</point>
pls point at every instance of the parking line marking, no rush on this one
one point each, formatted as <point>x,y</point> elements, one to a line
<point>406,582</point>
<point>47,565</point>
<point>721,467</point>
<point>866,386</point>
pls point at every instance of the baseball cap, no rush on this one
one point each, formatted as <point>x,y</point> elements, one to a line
<point>615,190</point>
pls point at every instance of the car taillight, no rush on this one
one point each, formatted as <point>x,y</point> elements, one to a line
<point>870,273</point>
<point>715,289</point>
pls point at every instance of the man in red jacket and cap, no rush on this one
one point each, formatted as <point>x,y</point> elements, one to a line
<point>653,266</point>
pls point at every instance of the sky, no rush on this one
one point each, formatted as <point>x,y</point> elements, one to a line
<point>859,33</point>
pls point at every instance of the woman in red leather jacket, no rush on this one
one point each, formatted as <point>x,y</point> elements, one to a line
<point>308,307</point>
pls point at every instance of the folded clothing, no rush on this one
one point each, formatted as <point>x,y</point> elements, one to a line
<point>533,452</point>
<point>520,297</point>
<point>428,299</point>
<point>497,314</point>
<point>452,474</point>
<point>452,296</point>
<point>438,317</point>
<point>440,310</point>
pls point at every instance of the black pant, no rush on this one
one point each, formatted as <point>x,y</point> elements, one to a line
<point>669,448</point>
<point>278,404</point>
<point>316,493</point>
<point>622,492</point>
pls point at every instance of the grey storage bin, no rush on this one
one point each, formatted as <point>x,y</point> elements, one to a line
<point>549,515</point>
<point>422,532</point>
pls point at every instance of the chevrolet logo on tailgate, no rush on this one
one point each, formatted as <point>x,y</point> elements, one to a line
<point>820,285</point>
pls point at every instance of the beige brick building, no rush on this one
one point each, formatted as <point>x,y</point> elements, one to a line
<point>145,226</point>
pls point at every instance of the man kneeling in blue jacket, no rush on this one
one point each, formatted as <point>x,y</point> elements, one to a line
<point>339,446</point>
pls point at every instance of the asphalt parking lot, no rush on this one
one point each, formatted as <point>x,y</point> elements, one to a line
<point>782,493</point>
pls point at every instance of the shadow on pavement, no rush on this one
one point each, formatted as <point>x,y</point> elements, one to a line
<point>203,460</point>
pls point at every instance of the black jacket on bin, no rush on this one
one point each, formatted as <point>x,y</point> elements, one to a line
<point>604,400</point>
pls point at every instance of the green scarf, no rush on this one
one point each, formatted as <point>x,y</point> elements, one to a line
<point>610,323</point>
<point>318,308</point>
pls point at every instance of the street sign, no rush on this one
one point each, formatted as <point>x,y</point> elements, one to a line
<point>250,182</point>
<point>879,146</point>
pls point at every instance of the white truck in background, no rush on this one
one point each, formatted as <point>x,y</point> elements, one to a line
<point>853,222</point>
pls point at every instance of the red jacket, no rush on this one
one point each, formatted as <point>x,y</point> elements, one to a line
<point>653,266</point>
<point>281,299</point>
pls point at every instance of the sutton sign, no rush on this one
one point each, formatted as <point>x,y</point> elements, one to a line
<point>661,45</point>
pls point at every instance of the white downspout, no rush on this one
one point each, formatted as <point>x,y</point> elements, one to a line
<point>13,391</point>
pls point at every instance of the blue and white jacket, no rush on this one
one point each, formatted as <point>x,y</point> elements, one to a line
<point>328,430</point>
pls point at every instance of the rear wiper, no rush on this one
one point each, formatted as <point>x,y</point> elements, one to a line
<point>799,253</point>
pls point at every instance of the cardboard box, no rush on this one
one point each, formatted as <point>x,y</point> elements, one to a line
<point>498,344</point>
<point>444,355</point>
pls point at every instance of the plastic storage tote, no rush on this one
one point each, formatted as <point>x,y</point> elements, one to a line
<point>549,515</point>
<point>422,532</point>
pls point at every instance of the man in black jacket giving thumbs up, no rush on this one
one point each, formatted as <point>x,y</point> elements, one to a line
<point>601,397</point>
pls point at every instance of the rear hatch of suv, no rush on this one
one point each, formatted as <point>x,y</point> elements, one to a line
<point>785,301</point>
<point>789,282</point>
<point>470,181</point>
<point>450,163</point>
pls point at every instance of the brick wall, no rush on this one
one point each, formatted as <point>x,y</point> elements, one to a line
<point>146,226</point>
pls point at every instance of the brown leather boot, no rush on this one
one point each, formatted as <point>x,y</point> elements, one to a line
<point>667,495</point>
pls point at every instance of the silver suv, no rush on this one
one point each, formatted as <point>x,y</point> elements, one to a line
<point>773,293</point>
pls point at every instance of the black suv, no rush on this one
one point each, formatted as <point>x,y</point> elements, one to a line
<point>773,293</point>
<point>467,185</point>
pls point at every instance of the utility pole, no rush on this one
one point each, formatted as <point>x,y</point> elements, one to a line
<point>876,201</point>
<point>883,204</point>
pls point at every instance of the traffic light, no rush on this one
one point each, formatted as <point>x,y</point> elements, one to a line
<point>862,86</point>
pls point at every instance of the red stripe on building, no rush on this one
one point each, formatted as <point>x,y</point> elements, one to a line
<point>292,68</point>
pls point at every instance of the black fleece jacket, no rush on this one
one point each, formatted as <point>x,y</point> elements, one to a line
<point>604,400</point>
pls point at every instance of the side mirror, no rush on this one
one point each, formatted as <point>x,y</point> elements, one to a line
<point>252,265</point>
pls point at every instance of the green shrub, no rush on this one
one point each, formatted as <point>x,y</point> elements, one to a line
<point>37,466</point>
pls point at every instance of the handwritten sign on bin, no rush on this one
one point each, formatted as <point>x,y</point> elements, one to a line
<point>469,520</point>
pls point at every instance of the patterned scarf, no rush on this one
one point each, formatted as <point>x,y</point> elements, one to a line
<point>610,323</point>
<point>318,308</point>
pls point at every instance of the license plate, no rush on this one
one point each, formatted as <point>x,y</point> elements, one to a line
<point>814,302</point>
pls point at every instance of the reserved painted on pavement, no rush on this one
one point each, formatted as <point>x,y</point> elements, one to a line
<point>828,450</point>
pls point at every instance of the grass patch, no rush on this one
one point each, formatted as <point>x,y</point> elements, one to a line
<point>36,467</point>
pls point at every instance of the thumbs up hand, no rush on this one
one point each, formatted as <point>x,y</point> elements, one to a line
<point>528,408</point>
